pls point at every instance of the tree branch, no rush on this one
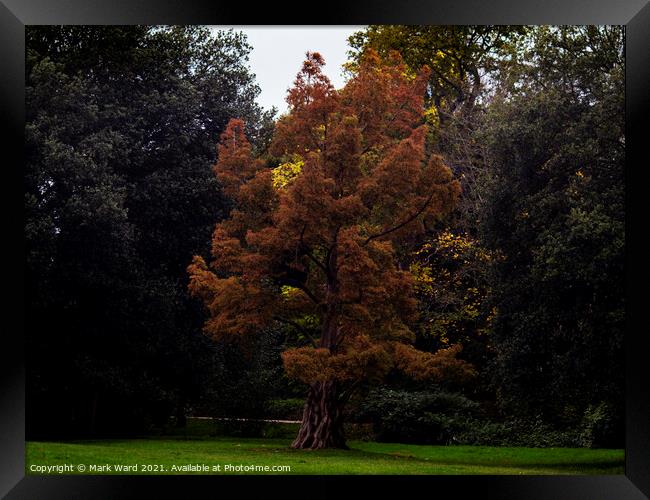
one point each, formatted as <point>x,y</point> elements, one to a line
<point>305,250</point>
<point>301,286</point>
<point>297,327</point>
<point>316,261</point>
<point>411,218</point>
<point>330,257</point>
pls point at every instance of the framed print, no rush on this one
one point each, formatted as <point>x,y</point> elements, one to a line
<point>357,246</point>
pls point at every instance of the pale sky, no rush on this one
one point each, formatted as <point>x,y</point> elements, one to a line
<point>278,53</point>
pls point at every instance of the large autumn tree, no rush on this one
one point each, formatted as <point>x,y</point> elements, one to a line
<point>315,243</point>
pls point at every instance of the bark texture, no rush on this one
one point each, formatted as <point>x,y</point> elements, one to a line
<point>322,419</point>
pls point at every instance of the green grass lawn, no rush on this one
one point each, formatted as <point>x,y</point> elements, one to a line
<point>361,458</point>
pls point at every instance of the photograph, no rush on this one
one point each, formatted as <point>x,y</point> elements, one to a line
<point>325,250</point>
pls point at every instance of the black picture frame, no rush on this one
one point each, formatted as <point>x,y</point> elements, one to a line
<point>15,14</point>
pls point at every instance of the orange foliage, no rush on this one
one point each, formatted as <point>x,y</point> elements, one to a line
<point>425,365</point>
<point>323,246</point>
<point>235,163</point>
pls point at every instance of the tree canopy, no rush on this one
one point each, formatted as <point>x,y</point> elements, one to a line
<point>556,212</point>
<point>120,130</point>
<point>317,252</point>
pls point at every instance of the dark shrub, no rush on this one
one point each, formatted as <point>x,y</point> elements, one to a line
<point>415,417</point>
<point>602,427</point>
<point>529,433</point>
<point>285,409</point>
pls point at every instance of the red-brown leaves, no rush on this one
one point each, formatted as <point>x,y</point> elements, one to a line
<point>235,165</point>
<point>341,158</point>
<point>432,366</point>
<point>366,359</point>
<point>317,251</point>
<point>387,99</point>
<point>311,100</point>
<point>312,91</point>
<point>226,251</point>
<point>307,364</point>
<point>235,308</point>
<point>202,280</point>
<point>361,359</point>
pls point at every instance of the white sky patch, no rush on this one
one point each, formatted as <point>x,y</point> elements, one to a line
<point>278,53</point>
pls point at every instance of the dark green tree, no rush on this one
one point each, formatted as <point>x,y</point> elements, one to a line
<point>119,194</point>
<point>555,209</point>
<point>461,58</point>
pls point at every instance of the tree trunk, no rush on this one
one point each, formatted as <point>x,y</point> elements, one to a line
<point>322,419</point>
